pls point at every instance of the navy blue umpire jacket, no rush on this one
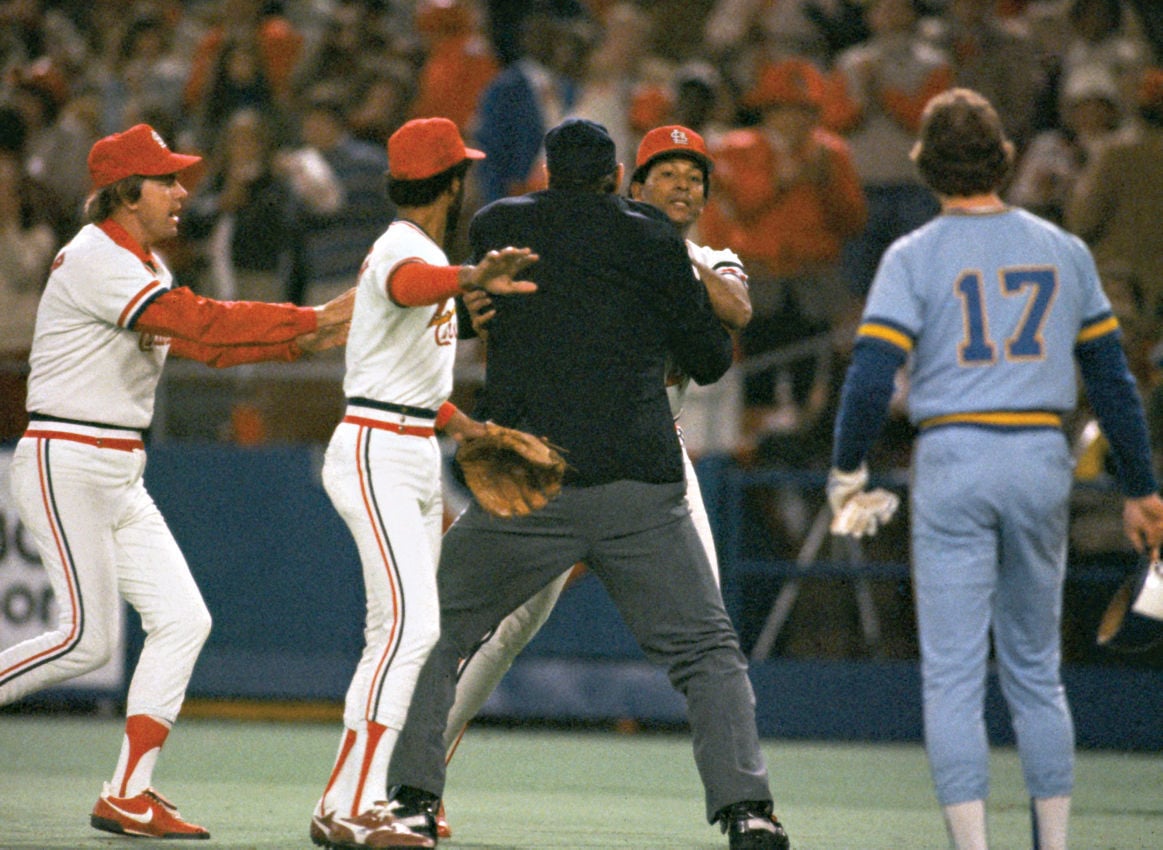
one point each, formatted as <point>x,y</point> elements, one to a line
<point>583,360</point>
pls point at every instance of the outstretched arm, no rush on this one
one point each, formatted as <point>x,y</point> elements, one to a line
<point>416,284</point>
<point>223,356</point>
<point>179,313</point>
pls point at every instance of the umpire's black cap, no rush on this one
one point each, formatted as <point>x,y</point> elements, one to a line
<point>579,150</point>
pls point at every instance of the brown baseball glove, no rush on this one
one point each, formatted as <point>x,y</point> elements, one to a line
<point>511,473</point>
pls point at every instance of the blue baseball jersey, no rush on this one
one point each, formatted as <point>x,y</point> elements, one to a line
<point>990,307</point>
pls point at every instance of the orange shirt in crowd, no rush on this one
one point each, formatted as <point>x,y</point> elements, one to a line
<point>783,230</point>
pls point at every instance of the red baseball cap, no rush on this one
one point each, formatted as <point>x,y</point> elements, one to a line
<point>672,139</point>
<point>138,150</point>
<point>424,147</point>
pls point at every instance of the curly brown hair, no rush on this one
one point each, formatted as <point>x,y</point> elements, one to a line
<point>962,149</point>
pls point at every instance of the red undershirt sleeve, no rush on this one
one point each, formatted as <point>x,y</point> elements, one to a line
<point>418,284</point>
<point>222,356</point>
<point>179,313</point>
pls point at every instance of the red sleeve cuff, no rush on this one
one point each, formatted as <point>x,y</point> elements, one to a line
<point>445,413</point>
<point>417,284</point>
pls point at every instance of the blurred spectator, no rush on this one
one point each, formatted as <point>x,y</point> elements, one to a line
<point>1092,115</point>
<point>701,100</point>
<point>745,35</point>
<point>243,216</point>
<point>51,155</point>
<point>27,246</point>
<point>36,32</point>
<point>39,91</point>
<point>354,38</point>
<point>787,196</point>
<point>237,81</point>
<point>613,71</point>
<point>889,78</point>
<point>22,36</point>
<point>524,100</point>
<point>574,41</point>
<point>1150,15</point>
<point>1125,291</point>
<point>340,223</point>
<point>44,204</point>
<point>276,44</point>
<point>1118,201</point>
<point>382,98</point>
<point>145,72</point>
<point>506,22</point>
<point>1077,34</point>
<point>995,56</point>
<point>459,61</point>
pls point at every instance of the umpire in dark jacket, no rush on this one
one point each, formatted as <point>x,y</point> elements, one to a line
<point>582,361</point>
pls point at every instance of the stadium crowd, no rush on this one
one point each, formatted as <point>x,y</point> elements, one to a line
<point>809,107</point>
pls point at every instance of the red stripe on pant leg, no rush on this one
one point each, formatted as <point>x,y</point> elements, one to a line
<point>387,560</point>
<point>74,636</point>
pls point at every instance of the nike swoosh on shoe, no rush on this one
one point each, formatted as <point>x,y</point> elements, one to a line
<point>143,818</point>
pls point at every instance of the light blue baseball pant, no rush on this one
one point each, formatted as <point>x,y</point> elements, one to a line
<point>990,511</point>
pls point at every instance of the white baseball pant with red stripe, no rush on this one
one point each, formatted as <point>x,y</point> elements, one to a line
<point>386,484</point>
<point>80,494</point>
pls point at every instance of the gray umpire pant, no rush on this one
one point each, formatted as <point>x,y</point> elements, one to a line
<point>639,540</point>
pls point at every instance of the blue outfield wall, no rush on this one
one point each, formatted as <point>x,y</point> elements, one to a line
<point>281,577</point>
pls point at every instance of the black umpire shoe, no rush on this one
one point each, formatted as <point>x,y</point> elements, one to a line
<point>415,809</point>
<point>750,825</point>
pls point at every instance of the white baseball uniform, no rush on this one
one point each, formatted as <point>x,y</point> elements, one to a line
<point>77,482</point>
<point>77,472</point>
<point>382,470</point>
<point>480,674</point>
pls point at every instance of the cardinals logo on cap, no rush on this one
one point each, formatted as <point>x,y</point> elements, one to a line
<point>139,150</point>
<point>672,139</point>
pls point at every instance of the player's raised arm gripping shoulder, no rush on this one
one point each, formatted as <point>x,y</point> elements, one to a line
<point>699,343</point>
<point>728,293</point>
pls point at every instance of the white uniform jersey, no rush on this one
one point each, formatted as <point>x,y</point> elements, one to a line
<point>402,355</point>
<point>86,362</point>
<point>725,261</point>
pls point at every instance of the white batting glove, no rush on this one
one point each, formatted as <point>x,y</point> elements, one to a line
<point>864,513</point>
<point>842,486</point>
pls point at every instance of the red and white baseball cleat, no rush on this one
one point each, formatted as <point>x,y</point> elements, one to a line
<point>376,828</point>
<point>147,814</point>
<point>443,830</point>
